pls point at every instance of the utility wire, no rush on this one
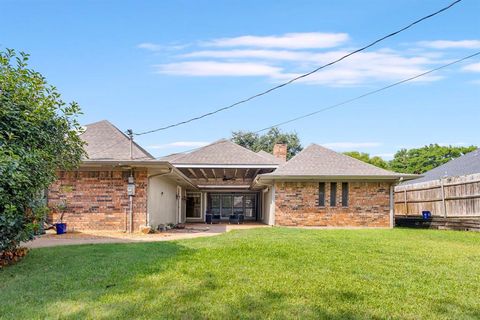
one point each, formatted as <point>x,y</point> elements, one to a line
<point>303,75</point>
<point>360,96</point>
<point>369,93</point>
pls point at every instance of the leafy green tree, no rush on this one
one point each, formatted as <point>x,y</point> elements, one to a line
<point>420,160</point>
<point>38,136</point>
<point>256,142</point>
<point>365,157</point>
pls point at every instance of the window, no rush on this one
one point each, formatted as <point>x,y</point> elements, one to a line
<point>321,194</point>
<point>333,194</point>
<point>345,194</point>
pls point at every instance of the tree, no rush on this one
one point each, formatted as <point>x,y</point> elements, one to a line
<point>256,142</point>
<point>365,157</point>
<point>38,136</point>
<point>420,160</point>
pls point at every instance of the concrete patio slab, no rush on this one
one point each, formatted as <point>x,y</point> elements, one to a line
<point>192,230</point>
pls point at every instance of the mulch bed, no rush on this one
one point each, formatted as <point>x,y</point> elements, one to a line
<point>12,256</point>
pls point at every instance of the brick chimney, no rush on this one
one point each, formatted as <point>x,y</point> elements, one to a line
<point>280,151</point>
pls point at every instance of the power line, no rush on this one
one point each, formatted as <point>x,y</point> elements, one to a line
<point>303,75</point>
<point>369,93</point>
<point>360,96</point>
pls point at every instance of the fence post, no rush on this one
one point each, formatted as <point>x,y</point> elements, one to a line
<point>442,187</point>
<point>405,200</point>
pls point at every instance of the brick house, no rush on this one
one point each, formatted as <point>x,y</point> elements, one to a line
<point>317,187</point>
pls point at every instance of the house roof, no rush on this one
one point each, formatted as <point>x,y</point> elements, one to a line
<point>171,157</point>
<point>466,164</point>
<point>270,157</point>
<point>223,152</point>
<point>316,161</point>
<point>107,142</point>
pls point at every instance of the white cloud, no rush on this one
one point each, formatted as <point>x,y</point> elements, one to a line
<point>364,67</point>
<point>288,40</point>
<point>282,65</point>
<point>214,68</point>
<point>150,46</point>
<point>186,144</point>
<point>451,44</point>
<point>474,67</point>
<point>283,57</point>
<point>153,47</point>
<point>256,53</point>
<point>351,145</point>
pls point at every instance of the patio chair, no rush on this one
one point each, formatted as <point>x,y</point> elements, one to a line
<point>236,218</point>
<point>212,218</point>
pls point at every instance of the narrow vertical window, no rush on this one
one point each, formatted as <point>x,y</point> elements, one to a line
<point>321,194</point>
<point>333,194</point>
<point>345,194</point>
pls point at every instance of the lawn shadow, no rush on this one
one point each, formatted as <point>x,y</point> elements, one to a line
<point>73,278</point>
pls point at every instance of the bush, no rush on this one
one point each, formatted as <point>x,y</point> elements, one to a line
<point>38,136</point>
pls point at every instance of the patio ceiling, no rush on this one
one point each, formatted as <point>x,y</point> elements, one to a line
<point>223,174</point>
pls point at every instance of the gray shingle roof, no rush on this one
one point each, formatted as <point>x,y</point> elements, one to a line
<point>222,152</point>
<point>466,164</point>
<point>107,142</point>
<point>317,161</point>
<point>171,157</point>
<point>270,157</point>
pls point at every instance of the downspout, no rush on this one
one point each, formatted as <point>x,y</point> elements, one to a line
<point>392,206</point>
<point>130,197</point>
<point>130,204</point>
<point>170,170</point>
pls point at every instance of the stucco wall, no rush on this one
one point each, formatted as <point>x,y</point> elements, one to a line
<point>268,207</point>
<point>296,204</point>
<point>98,200</point>
<point>162,201</point>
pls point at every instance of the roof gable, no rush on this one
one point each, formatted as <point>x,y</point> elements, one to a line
<point>222,152</point>
<point>318,161</point>
<point>107,142</point>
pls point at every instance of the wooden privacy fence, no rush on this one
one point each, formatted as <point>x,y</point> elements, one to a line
<point>449,197</point>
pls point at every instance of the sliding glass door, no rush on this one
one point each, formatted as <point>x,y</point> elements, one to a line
<point>226,204</point>
<point>226,207</point>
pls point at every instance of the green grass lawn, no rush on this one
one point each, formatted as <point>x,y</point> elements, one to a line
<point>257,273</point>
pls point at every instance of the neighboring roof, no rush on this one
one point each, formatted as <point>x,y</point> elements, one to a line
<point>317,161</point>
<point>107,142</point>
<point>223,152</point>
<point>270,157</point>
<point>466,164</point>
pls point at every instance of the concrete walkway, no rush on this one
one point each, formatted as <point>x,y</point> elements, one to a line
<point>91,237</point>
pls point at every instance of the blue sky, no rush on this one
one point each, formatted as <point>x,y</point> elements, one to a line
<point>146,64</point>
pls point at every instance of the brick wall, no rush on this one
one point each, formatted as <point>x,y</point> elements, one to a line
<point>98,200</point>
<point>296,204</point>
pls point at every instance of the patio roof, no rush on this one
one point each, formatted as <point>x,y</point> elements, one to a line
<point>222,154</point>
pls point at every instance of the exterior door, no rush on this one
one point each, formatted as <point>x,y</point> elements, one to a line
<point>194,206</point>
